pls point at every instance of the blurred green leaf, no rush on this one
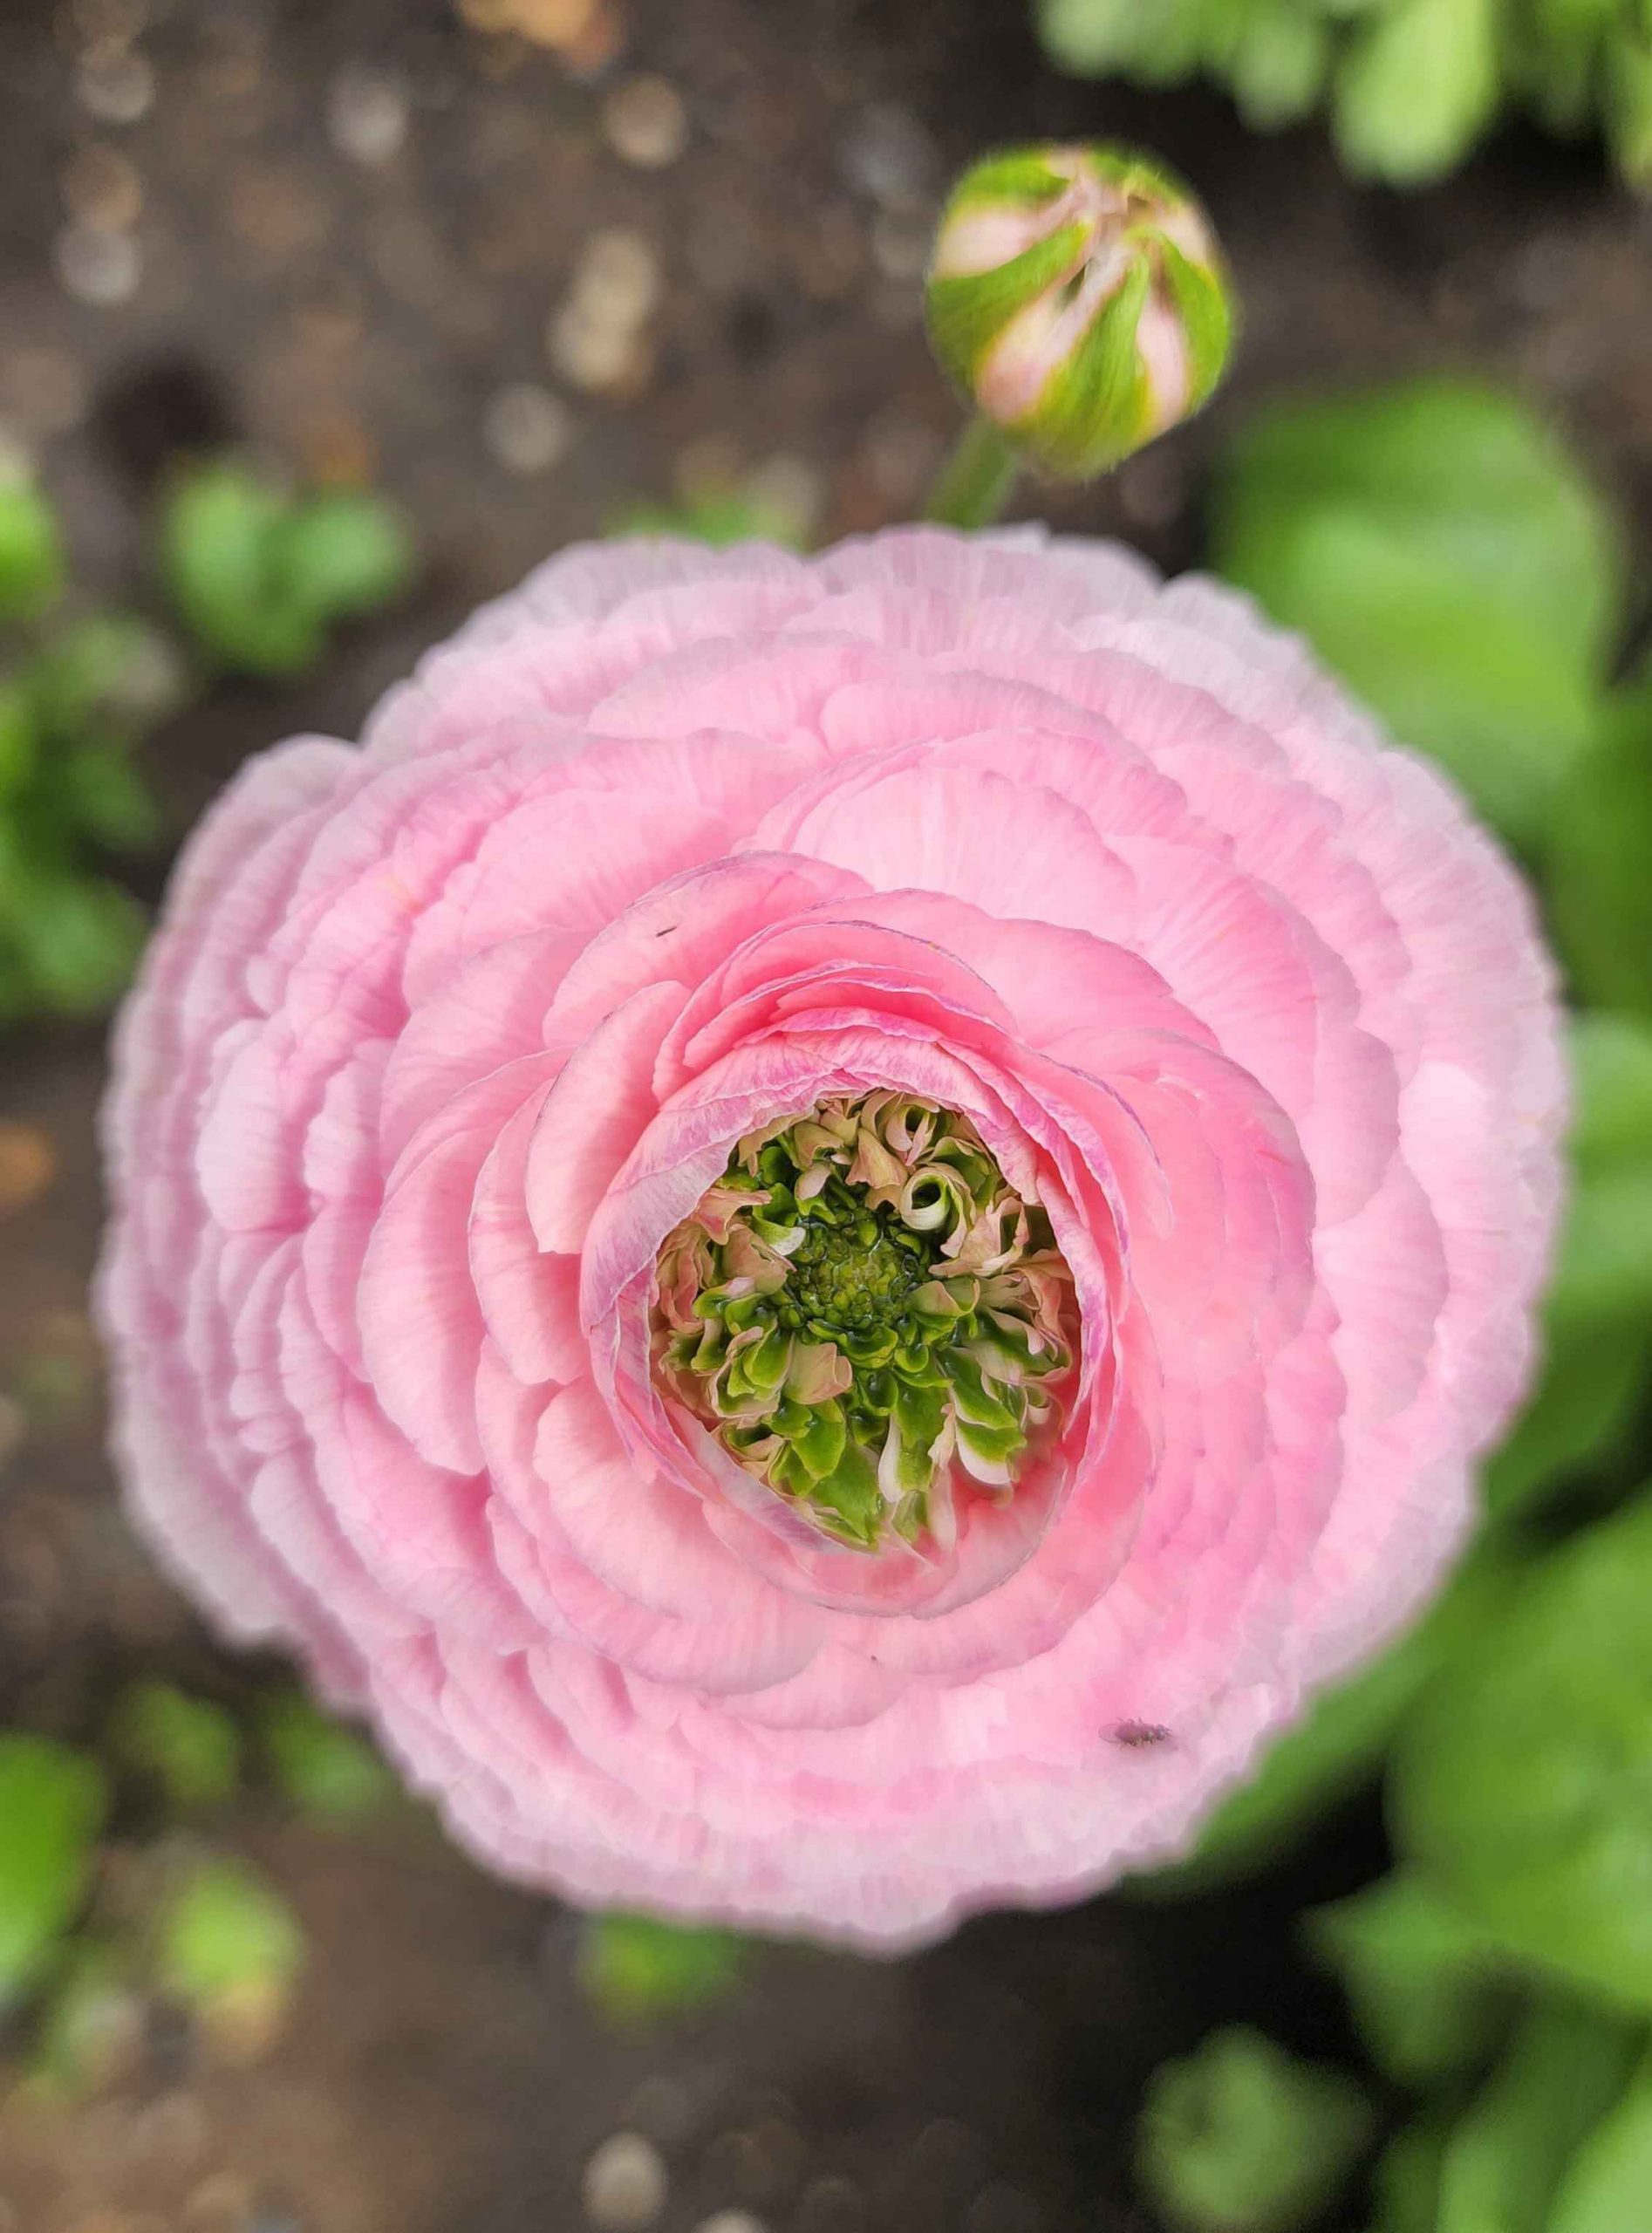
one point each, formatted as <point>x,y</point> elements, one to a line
<point>720,517</point>
<point>1611,1059</point>
<point>1241,2137</point>
<point>73,941</point>
<point>342,554</point>
<point>1604,1272</point>
<point>259,577</point>
<point>226,1931</point>
<point>69,938</point>
<point>1597,1339</point>
<point>1406,2182</point>
<point>1095,38</point>
<point>1429,2001</point>
<point>31,561</point>
<point>323,1769</point>
<point>1604,1275</point>
<point>1279,63</point>
<point>1417,88</point>
<point>1413,86</point>
<point>1599,843</point>
<point>1588,1396</point>
<point>187,1747</point>
<point>1523,1783</point>
<point>1447,557</point>
<point>19,740</point>
<point>51,1808</point>
<point>1506,2156</point>
<point>1628,103</point>
<point>1558,60</point>
<point>1608,2188</point>
<point>219,544</point>
<point>108,801</point>
<point>637,1967</point>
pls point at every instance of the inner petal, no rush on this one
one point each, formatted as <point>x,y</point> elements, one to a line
<point>869,1319</point>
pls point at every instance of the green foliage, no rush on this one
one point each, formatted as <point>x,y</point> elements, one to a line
<point>1445,553</point>
<point>1523,1783</point>
<point>1600,843</point>
<point>718,515</point>
<point>172,1915</point>
<point>1430,2000</point>
<point>1505,2159</point>
<point>31,561</point>
<point>72,705</point>
<point>1597,1329</point>
<point>1417,84</point>
<point>68,940</point>
<point>260,578</point>
<point>326,1771</point>
<point>1604,1275</point>
<point>1406,2182</point>
<point>187,1747</point>
<point>51,1808</point>
<point>1241,2137</point>
<point>224,1933</point>
<point>1608,2187</point>
<point>1412,86</point>
<point>636,1967</point>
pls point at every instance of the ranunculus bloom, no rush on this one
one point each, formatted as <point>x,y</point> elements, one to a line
<point>826,1224</point>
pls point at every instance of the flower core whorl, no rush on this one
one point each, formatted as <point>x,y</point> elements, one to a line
<point>868,1317</point>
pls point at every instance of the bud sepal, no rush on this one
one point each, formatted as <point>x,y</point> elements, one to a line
<point>1078,298</point>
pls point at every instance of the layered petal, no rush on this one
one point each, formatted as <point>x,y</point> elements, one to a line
<point>441,1041</point>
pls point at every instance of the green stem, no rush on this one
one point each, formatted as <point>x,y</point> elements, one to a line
<point>974,484</point>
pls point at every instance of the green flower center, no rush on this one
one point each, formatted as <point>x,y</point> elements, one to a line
<point>848,1279</point>
<point>868,1317</point>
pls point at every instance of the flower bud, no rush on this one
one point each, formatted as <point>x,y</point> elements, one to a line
<point>1078,297</point>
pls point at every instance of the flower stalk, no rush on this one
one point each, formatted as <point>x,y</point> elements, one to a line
<point>976,479</point>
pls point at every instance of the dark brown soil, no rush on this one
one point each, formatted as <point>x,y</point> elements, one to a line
<point>358,318</point>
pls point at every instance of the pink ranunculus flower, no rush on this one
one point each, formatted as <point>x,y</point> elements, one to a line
<point>826,1224</point>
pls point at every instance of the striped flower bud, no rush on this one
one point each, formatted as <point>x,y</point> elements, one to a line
<point>1078,297</point>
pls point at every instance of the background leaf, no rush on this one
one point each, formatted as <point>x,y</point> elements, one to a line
<point>635,1966</point>
<point>1428,2002</point>
<point>226,1933</point>
<point>1600,843</point>
<point>31,560</point>
<point>1242,2137</point>
<point>1417,88</point>
<point>325,1771</point>
<point>1504,2161</point>
<point>1523,1783</point>
<point>1443,553</point>
<point>1608,2188</point>
<point>189,1748</point>
<point>51,1808</point>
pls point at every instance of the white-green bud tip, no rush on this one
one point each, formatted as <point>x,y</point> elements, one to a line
<point>1078,297</point>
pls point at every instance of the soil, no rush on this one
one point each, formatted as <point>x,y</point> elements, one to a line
<point>348,235</point>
